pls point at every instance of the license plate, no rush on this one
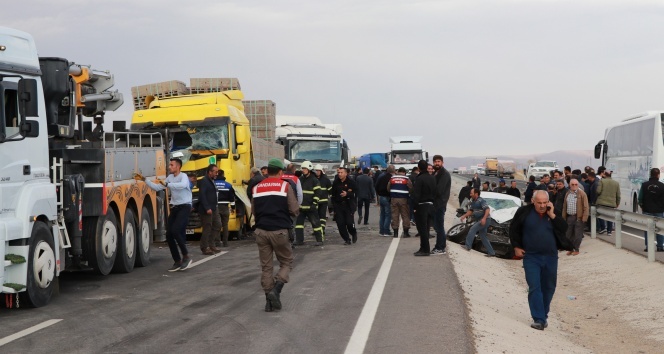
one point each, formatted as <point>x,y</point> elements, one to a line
<point>190,232</point>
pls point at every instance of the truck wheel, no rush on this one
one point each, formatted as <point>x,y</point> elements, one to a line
<point>41,267</point>
<point>126,258</point>
<point>103,249</point>
<point>144,239</point>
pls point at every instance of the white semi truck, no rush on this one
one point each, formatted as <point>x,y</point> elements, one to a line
<point>406,151</point>
<point>307,139</point>
<point>68,200</point>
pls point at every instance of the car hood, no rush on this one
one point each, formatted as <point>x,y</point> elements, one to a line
<point>503,215</point>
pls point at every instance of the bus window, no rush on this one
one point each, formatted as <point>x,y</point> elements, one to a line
<point>635,139</point>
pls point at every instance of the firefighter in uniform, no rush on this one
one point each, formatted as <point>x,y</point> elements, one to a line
<point>225,199</point>
<point>274,203</point>
<point>309,205</point>
<point>323,202</point>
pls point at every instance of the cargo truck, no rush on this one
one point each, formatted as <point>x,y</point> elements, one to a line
<point>506,168</point>
<point>308,139</point>
<point>207,128</point>
<point>69,201</point>
<point>491,166</point>
<point>406,151</point>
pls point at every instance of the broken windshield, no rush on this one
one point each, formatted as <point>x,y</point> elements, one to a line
<point>315,150</point>
<point>206,138</point>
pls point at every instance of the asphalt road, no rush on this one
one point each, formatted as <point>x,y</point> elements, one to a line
<point>217,306</point>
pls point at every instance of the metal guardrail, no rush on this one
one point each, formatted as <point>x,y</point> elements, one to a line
<point>621,218</point>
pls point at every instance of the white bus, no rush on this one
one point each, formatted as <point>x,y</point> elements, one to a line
<point>630,149</point>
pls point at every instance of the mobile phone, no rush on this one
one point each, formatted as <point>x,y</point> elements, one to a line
<point>548,208</point>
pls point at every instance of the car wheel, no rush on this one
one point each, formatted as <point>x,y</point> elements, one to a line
<point>458,232</point>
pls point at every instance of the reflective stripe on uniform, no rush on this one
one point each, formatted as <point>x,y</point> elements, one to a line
<point>308,192</point>
<point>299,226</point>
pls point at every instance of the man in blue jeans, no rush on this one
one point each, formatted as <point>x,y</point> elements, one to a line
<point>384,201</point>
<point>479,209</point>
<point>651,200</point>
<point>537,235</point>
<point>443,185</point>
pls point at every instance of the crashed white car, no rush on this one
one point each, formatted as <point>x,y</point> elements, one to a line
<point>503,207</point>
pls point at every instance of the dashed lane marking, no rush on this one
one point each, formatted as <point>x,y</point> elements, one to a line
<point>28,331</point>
<point>358,339</point>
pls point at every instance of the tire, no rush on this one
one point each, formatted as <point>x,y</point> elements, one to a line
<point>126,258</point>
<point>144,239</point>
<point>102,250</point>
<point>458,232</point>
<point>41,267</point>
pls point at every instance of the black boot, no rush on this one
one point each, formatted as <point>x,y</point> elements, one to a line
<point>405,233</point>
<point>268,305</point>
<point>273,296</point>
<point>396,233</point>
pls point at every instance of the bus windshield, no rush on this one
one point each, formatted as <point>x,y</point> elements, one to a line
<point>315,151</point>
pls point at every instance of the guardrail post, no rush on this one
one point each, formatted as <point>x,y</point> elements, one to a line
<point>618,225</point>
<point>651,239</point>
<point>593,222</point>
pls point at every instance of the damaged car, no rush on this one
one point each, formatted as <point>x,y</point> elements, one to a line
<point>503,207</point>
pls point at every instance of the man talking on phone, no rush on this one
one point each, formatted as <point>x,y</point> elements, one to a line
<point>537,234</point>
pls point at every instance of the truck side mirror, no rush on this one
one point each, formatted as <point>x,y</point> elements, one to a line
<point>27,95</point>
<point>598,150</point>
<point>240,134</point>
<point>30,129</point>
<point>242,149</point>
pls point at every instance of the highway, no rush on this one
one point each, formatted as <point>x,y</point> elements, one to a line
<point>414,305</point>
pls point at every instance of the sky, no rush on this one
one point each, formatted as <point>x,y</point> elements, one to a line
<point>474,78</point>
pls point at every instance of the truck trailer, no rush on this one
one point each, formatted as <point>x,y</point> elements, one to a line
<point>69,200</point>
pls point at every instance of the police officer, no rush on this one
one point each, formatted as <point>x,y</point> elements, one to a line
<point>273,205</point>
<point>323,202</point>
<point>309,206</point>
<point>225,199</point>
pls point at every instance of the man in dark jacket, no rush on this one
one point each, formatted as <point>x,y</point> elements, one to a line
<point>651,200</point>
<point>561,191</point>
<point>537,234</point>
<point>513,190</point>
<point>442,195</point>
<point>365,194</point>
<point>207,209</point>
<point>256,177</point>
<point>423,195</point>
<point>528,194</point>
<point>384,201</point>
<point>309,205</point>
<point>464,193</point>
<point>343,199</point>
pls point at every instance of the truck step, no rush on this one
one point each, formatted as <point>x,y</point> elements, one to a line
<point>13,259</point>
<point>12,288</point>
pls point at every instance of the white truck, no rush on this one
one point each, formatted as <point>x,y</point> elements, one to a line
<point>68,200</point>
<point>406,152</point>
<point>306,138</point>
<point>541,168</point>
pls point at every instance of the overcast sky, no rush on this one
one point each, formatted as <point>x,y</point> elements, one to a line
<point>472,77</point>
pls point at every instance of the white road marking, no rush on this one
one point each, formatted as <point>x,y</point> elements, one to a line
<point>28,331</point>
<point>360,336</point>
<point>193,264</point>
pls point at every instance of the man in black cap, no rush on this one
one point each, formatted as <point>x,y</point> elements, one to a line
<point>273,205</point>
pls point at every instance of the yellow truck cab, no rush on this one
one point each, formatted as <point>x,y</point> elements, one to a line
<point>209,128</point>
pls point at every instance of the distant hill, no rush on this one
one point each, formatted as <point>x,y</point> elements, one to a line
<point>574,158</point>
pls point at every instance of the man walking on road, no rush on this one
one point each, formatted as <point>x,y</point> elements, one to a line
<point>537,235</point>
<point>442,195</point>
<point>273,206</point>
<point>365,194</point>
<point>423,197</point>
<point>384,201</point>
<point>225,199</point>
<point>400,187</point>
<point>575,212</point>
<point>651,200</point>
<point>343,200</point>
<point>309,206</point>
<point>324,201</point>
<point>608,195</point>
<point>180,202</point>
<point>480,211</point>
<point>477,183</point>
<point>207,210</point>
